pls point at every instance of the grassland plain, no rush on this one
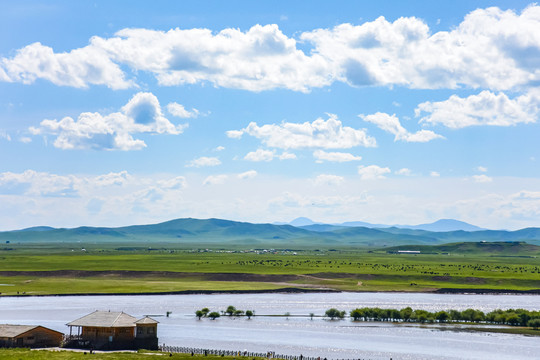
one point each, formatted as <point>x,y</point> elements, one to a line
<point>27,354</point>
<point>66,269</point>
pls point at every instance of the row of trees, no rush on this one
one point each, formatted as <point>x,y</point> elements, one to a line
<point>231,311</point>
<point>514,317</point>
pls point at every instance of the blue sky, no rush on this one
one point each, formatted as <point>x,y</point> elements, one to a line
<point>130,112</point>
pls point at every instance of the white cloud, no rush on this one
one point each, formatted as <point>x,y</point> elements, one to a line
<point>235,134</point>
<point>327,179</point>
<point>486,108</point>
<point>142,114</point>
<point>391,124</point>
<point>176,183</point>
<point>287,156</point>
<point>34,183</point>
<point>482,178</point>
<point>215,180</point>
<point>491,48</point>
<point>219,148</point>
<point>481,169</point>
<point>260,155</point>
<point>268,155</point>
<point>112,178</point>
<point>434,174</point>
<point>372,172</point>
<point>78,68</point>
<point>25,139</point>
<point>204,161</point>
<point>247,175</point>
<point>180,111</point>
<point>259,59</point>
<point>322,155</point>
<point>325,134</point>
<point>404,171</point>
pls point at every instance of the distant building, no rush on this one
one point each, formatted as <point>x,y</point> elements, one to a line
<point>113,330</point>
<point>408,252</point>
<point>32,336</point>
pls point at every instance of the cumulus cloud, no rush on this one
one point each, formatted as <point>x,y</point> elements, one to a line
<point>491,48</point>
<point>180,111</point>
<point>142,114</point>
<point>328,179</point>
<point>391,124</point>
<point>260,155</point>
<point>434,174</point>
<point>372,172</point>
<point>268,155</point>
<point>112,178</point>
<point>482,178</point>
<point>78,68</point>
<point>404,171</point>
<point>482,169</point>
<point>215,179</point>
<point>247,175</point>
<point>325,134</point>
<point>486,108</point>
<point>259,59</point>
<point>287,156</point>
<point>322,155</point>
<point>36,183</point>
<point>204,161</point>
<point>176,183</point>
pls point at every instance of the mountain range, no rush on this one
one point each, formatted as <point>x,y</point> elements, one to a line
<point>439,225</point>
<point>218,232</point>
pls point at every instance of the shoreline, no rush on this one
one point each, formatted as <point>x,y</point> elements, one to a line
<point>292,290</point>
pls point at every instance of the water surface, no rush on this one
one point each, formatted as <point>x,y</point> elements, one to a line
<point>297,335</point>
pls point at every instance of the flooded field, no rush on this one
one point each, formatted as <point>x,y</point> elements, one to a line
<point>297,334</point>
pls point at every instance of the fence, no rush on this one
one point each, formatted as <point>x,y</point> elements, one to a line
<point>206,352</point>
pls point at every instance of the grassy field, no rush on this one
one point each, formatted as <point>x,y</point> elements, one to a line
<point>26,354</point>
<point>65,270</point>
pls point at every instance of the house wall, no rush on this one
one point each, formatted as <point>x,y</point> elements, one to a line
<point>39,337</point>
<point>100,337</point>
<point>146,336</point>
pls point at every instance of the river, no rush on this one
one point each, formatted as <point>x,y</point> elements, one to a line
<point>297,335</point>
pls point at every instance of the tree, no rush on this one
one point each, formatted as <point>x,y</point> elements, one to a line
<point>230,310</point>
<point>534,323</point>
<point>249,314</point>
<point>213,315</point>
<point>442,316</point>
<point>335,313</point>
<point>238,312</point>
<point>199,314</point>
<point>205,311</point>
<point>356,314</point>
<point>406,313</point>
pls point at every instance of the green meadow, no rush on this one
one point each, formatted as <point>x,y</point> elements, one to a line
<point>55,269</point>
<point>68,355</point>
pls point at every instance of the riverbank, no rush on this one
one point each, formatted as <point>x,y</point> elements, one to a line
<point>287,290</point>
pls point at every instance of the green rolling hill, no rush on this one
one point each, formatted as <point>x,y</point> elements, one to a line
<point>218,232</point>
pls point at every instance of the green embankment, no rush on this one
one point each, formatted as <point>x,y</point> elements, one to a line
<point>41,270</point>
<point>68,355</point>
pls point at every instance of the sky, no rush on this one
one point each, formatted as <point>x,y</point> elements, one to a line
<point>392,112</point>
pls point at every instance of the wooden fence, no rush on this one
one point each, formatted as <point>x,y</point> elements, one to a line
<point>268,355</point>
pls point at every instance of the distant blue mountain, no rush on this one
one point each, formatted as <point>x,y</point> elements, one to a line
<point>301,221</point>
<point>442,225</point>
